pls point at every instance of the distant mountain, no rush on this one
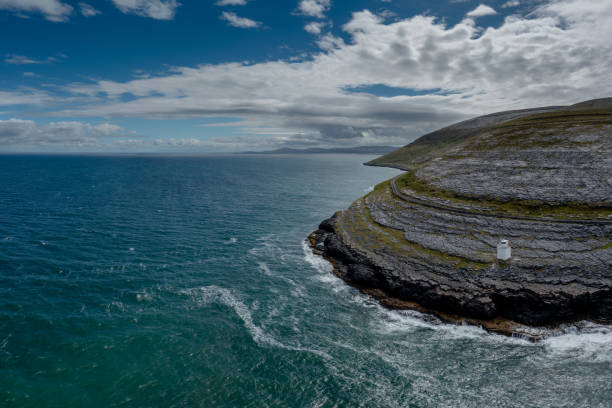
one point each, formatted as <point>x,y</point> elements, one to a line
<point>353,150</point>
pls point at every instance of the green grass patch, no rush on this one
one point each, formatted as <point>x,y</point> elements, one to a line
<point>524,208</point>
<point>562,117</point>
<point>384,236</point>
<point>544,130</point>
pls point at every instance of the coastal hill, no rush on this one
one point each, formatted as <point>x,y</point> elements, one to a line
<point>540,178</point>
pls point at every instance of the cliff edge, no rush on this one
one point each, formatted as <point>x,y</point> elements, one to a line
<point>540,178</point>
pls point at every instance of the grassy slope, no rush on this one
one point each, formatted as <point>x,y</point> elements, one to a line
<point>524,130</point>
<point>434,144</point>
<point>521,208</point>
<point>552,129</point>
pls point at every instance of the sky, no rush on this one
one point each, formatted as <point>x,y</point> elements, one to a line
<point>234,75</point>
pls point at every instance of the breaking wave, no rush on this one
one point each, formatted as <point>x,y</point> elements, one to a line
<point>586,341</point>
<point>207,295</point>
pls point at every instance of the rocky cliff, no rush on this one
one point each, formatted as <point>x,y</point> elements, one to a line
<point>541,178</point>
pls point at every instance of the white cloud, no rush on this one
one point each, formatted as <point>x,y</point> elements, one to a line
<point>18,132</point>
<point>231,3</point>
<point>57,58</point>
<point>481,11</point>
<point>30,74</point>
<point>88,10</point>
<point>330,42</point>
<point>314,27</point>
<point>25,97</point>
<point>19,59</point>
<point>16,59</point>
<point>314,8</point>
<point>511,3</point>
<point>559,54</point>
<point>53,10</point>
<point>236,21</point>
<point>156,9</point>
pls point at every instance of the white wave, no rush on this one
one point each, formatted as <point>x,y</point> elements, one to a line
<point>267,245</point>
<point>367,190</point>
<point>144,297</point>
<point>206,295</point>
<point>297,289</point>
<point>315,260</point>
<point>401,321</point>
<point>585,340</point>
<point>276,247</point>
<point>271,248</point>
<point>393,321</point>
<point>324,271</point>
<point>230,241</point>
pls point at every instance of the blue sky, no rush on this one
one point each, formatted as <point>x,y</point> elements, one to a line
<point>230,75</point>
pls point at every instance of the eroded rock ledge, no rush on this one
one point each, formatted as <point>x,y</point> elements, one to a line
<point>427,239</point>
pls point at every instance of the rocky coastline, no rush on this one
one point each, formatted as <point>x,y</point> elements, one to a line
<point>426,240</point>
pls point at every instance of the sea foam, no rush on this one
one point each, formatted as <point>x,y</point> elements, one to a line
<point>206,295</point>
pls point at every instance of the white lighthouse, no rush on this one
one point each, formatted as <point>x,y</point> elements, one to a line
<point>503,250</point>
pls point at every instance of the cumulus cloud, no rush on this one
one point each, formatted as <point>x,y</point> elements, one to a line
<point>237,21</point>
<point>511,3</point>
<point>88,10</point>
<point>18,132</point>
<point>481,11</point>
<point>314,8</point>
<point>559,54</point>
<point>53,10</point>
<point>231,3</point>
<point>156,9</point>
<point>314,27</point>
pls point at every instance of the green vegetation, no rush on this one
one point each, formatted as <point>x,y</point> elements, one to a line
<point>423,149</point>
<point>542,130</point>
<point>525,208</point>
<point>554,129</point>
<point>360,224</point>
<point>563,117</point>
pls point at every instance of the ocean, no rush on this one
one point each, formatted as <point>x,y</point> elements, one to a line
<point>167,281</point>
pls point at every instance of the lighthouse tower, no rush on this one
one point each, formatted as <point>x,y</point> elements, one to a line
<point>503,250</point>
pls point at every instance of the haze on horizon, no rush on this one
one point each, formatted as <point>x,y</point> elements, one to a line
<point>234,75</point>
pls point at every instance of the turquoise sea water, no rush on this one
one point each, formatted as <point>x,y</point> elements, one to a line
<point>185,282</point>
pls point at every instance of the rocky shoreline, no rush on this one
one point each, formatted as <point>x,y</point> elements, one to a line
<point>427,239</point>
<point>442,302</point>
<point>497,325</point>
